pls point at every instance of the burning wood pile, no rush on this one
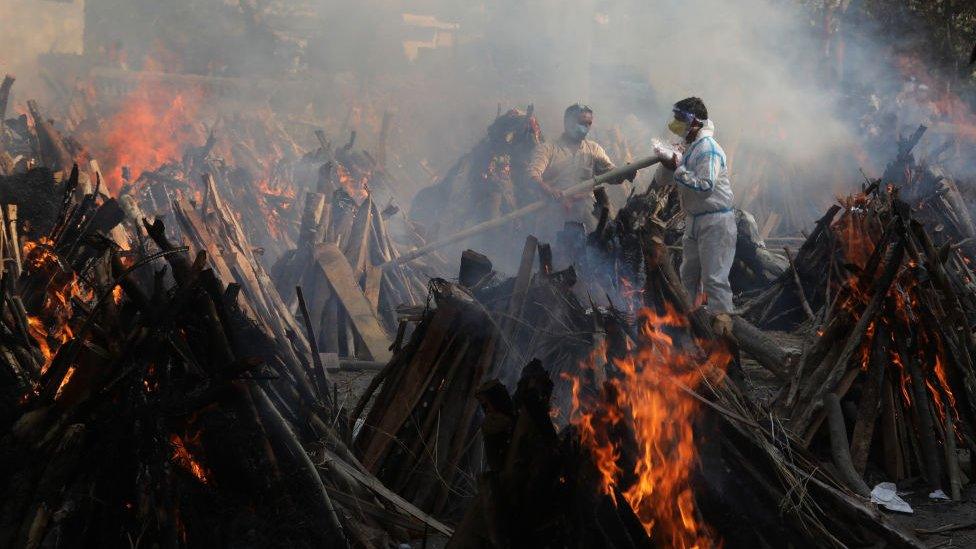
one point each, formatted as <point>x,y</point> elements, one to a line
<point>584,401</point>
<point>622,461</point>
<point>419,431</point>
<point>346,263</point>
<point>251,174</point>
<point>801,291</point>
<point>258,176</point>
<point>178,365</point>
<point>883,287</point>
<point>893,346</point>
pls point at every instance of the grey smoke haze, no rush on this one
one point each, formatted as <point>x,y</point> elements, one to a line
<point>756,63</point>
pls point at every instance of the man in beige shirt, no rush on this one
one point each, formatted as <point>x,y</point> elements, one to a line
<point>556,166</point>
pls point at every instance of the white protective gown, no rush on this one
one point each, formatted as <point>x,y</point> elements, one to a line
<point>705,192</point>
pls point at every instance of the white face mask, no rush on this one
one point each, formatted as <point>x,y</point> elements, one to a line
<point>576,130</point>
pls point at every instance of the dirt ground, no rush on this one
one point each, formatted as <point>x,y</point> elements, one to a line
<point>940,523</point>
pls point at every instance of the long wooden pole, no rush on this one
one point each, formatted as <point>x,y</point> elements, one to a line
<point>578,189</point>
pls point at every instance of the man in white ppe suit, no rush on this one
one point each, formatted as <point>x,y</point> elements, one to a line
<point>700,173</point>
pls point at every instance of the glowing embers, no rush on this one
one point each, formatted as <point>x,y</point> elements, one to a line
<point>274,199</point>
<point>64,381</point>
<point>909,348</point>
<point>640,430</point>
<point>51,327</point>
<point>356,187</point>
<point>186,459</point>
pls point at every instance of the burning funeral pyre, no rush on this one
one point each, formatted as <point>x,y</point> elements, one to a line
<point>183,319</point>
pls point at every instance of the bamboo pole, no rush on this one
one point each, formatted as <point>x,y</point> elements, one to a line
<point>578,189</point>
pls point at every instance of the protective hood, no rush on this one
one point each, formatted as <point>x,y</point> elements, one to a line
<point>707,130</point>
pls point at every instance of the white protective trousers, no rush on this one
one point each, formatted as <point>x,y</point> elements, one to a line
<point>708,248</point>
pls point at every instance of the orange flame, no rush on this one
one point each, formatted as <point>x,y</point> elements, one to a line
<point>857,238</point>
<point>355,188</point>
<point>650,395</point>
<point>64,381</point>
<point>150,128</point>
<point>854,230</point>
<point>39,333</point>
<point>185,459</point>
<point>270,210</point>
<point>51,325</point>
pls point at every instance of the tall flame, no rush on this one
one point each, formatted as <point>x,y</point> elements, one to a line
<point>857,239</point>
<point>151,126</point>
<point>649,394</point>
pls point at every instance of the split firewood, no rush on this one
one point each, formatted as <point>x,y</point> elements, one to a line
<point>52,144</point>
<point>342,278</point>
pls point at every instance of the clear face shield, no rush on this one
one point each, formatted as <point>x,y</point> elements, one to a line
<point>680,125</point>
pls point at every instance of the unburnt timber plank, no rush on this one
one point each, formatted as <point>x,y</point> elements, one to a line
<point>340,275</point>
<point>522,281</point>
<point>384,422</point>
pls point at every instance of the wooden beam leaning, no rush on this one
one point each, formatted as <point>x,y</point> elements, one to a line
<point>360,312</point>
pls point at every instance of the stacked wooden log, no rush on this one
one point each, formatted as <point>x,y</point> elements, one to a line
<point>540,488</point>
<point>801,290</point>
<point>345,262</point>
<point>418,434</point>
<point>418,430</point>
<point>543,487</point>
<point>260,191</point>
<point>31,141</point>
<point>202,396</point>
<point>893,344</point>
<point>214,229</point>
<point>935,198</point>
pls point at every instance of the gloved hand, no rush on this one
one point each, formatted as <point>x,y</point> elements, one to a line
<point>671,163</point>
<point>668,156</point>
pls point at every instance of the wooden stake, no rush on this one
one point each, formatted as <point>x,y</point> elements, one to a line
<point>318,374</point>
<point>13,239</point>
<point>839,446</point>
<point>952,459</point>
<point>799,286</point>
<point>894,459</point>
<point>925,427</point>
<point>869,406</point>
<point>360,313</point>
<point>522,279</point>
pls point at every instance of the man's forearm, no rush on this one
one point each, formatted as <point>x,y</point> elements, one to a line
<point>546,188</point>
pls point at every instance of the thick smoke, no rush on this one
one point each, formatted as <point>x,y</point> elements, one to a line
<point>30,29</point>
<point>443,68</point>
